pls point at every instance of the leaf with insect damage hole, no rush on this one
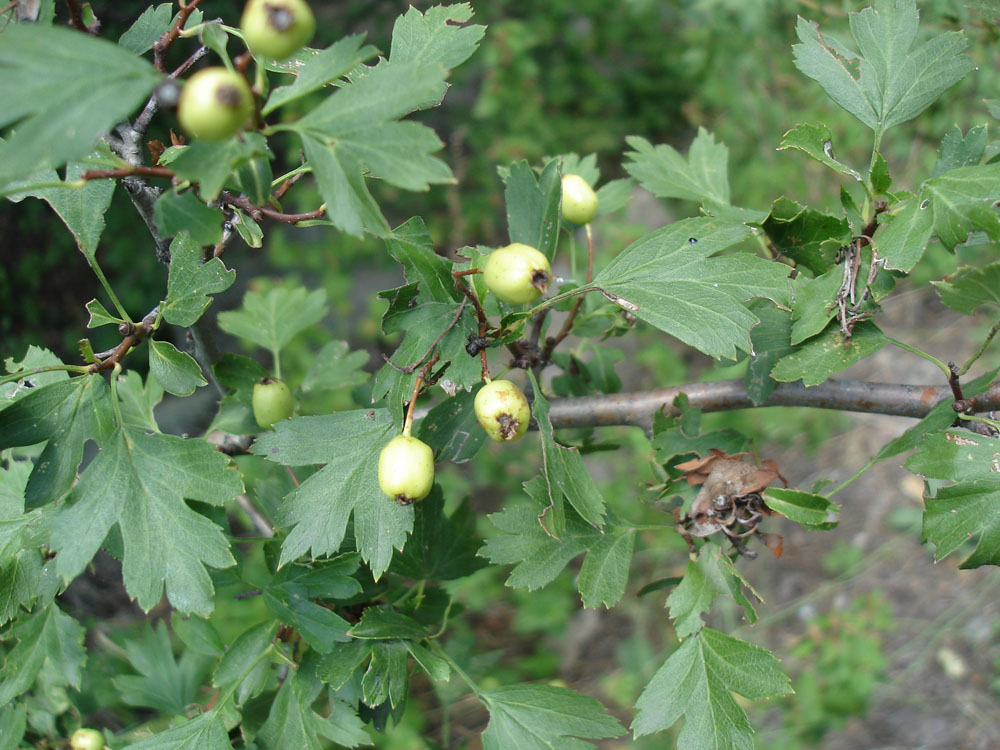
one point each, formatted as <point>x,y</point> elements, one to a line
<point>969,509</point>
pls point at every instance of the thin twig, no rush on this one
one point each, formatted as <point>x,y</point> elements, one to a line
<point>552,342</point>
<point>411,367</point>
<point>137,171</point>
<point>979,352</point>
<point>257,213</point>
<point>169,37</point>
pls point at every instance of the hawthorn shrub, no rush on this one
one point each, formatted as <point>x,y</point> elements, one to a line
<point>335,561</point>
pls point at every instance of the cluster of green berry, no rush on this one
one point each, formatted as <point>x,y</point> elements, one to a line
<point>216,103</point>
<point>517,274</point>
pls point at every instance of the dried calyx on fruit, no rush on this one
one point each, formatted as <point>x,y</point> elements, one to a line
<point>272,402</point>
<point>406,469</point>
<point>517,274</point>
<point>579,201</point>
<point>215,104</point>
<point>502,410</point>
<point>277,28</point>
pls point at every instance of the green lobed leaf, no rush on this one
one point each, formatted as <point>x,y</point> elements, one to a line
<point>435,36</point>
<point>961,202</point>
<point>293,723</point>
<point>197,635</point>
<point>66,414</point>
<point>81,209</point>
<point>806,508</point>
<point>533,206</point>
<point>544,717</point>
<point>450,428</point>
<point>537,556</point>
<point>711,575</point>
<point>164,683</point>
<point>248,649</point>
<point>292,604</point>
<point>34,357</point>
<point>667,174</point>
<point>211,163</point>
<point>335,366</point>
<point>614,196</point>
<point>885,84</point>
<point>959,150</point>
<point>668,280</point>
<point>878,175</point>
<point>938,418</point>
<point>971,288</point>
<point>424,322</point>
<point>360,120</point>
<point>337,666</point>
<point>43,69</point>
<point>411,245</point>
<point>272,320</point>
<point>770,341</point>
<point>322,67</point>
<point>147,29</point>
<point>191,282</point>
<point>902,237</point>
<point>824,355</point>
<point>46,638</point>
<point>385,622</point>
<point>12,725</point>
<point>566,475</point>
<point>176,212</point>
<point>697,682</point>
<point>139,481</point>
<point>604,572</point>
<point>99,315</point>
<point>387,678</point>
<point>809,237</point>
<point>205,732</point>
<point>176,371</point>
<point>816,140</point>
<point>349,444</point>
<point>963,512</point>
<point>441,547</point>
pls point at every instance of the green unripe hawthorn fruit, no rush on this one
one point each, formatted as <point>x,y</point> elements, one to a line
<point>406,469</point>
<point>86,739</point>
<point>277,28</point>
<point>579,201</point>
<point>517,273</point>
<point>502,410</point>
<point>272,402</point>
<point>215,104</point>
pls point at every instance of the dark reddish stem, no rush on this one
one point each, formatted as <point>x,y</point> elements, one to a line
<point>164,42</point>
<point>104,174</point>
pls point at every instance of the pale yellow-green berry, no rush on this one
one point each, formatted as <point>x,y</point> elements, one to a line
<point>502,410</point>
<point>277,28</point>
<point>406,469</point>
<point>579,201</point>
<point>517,274</point>
<point>215,104</point>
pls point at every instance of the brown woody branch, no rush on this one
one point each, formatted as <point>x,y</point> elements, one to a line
<point>257,213</point>
<point>136,171</point>
<point>638,409</point>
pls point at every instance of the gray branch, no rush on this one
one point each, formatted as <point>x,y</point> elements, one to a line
<point>638,409</point>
